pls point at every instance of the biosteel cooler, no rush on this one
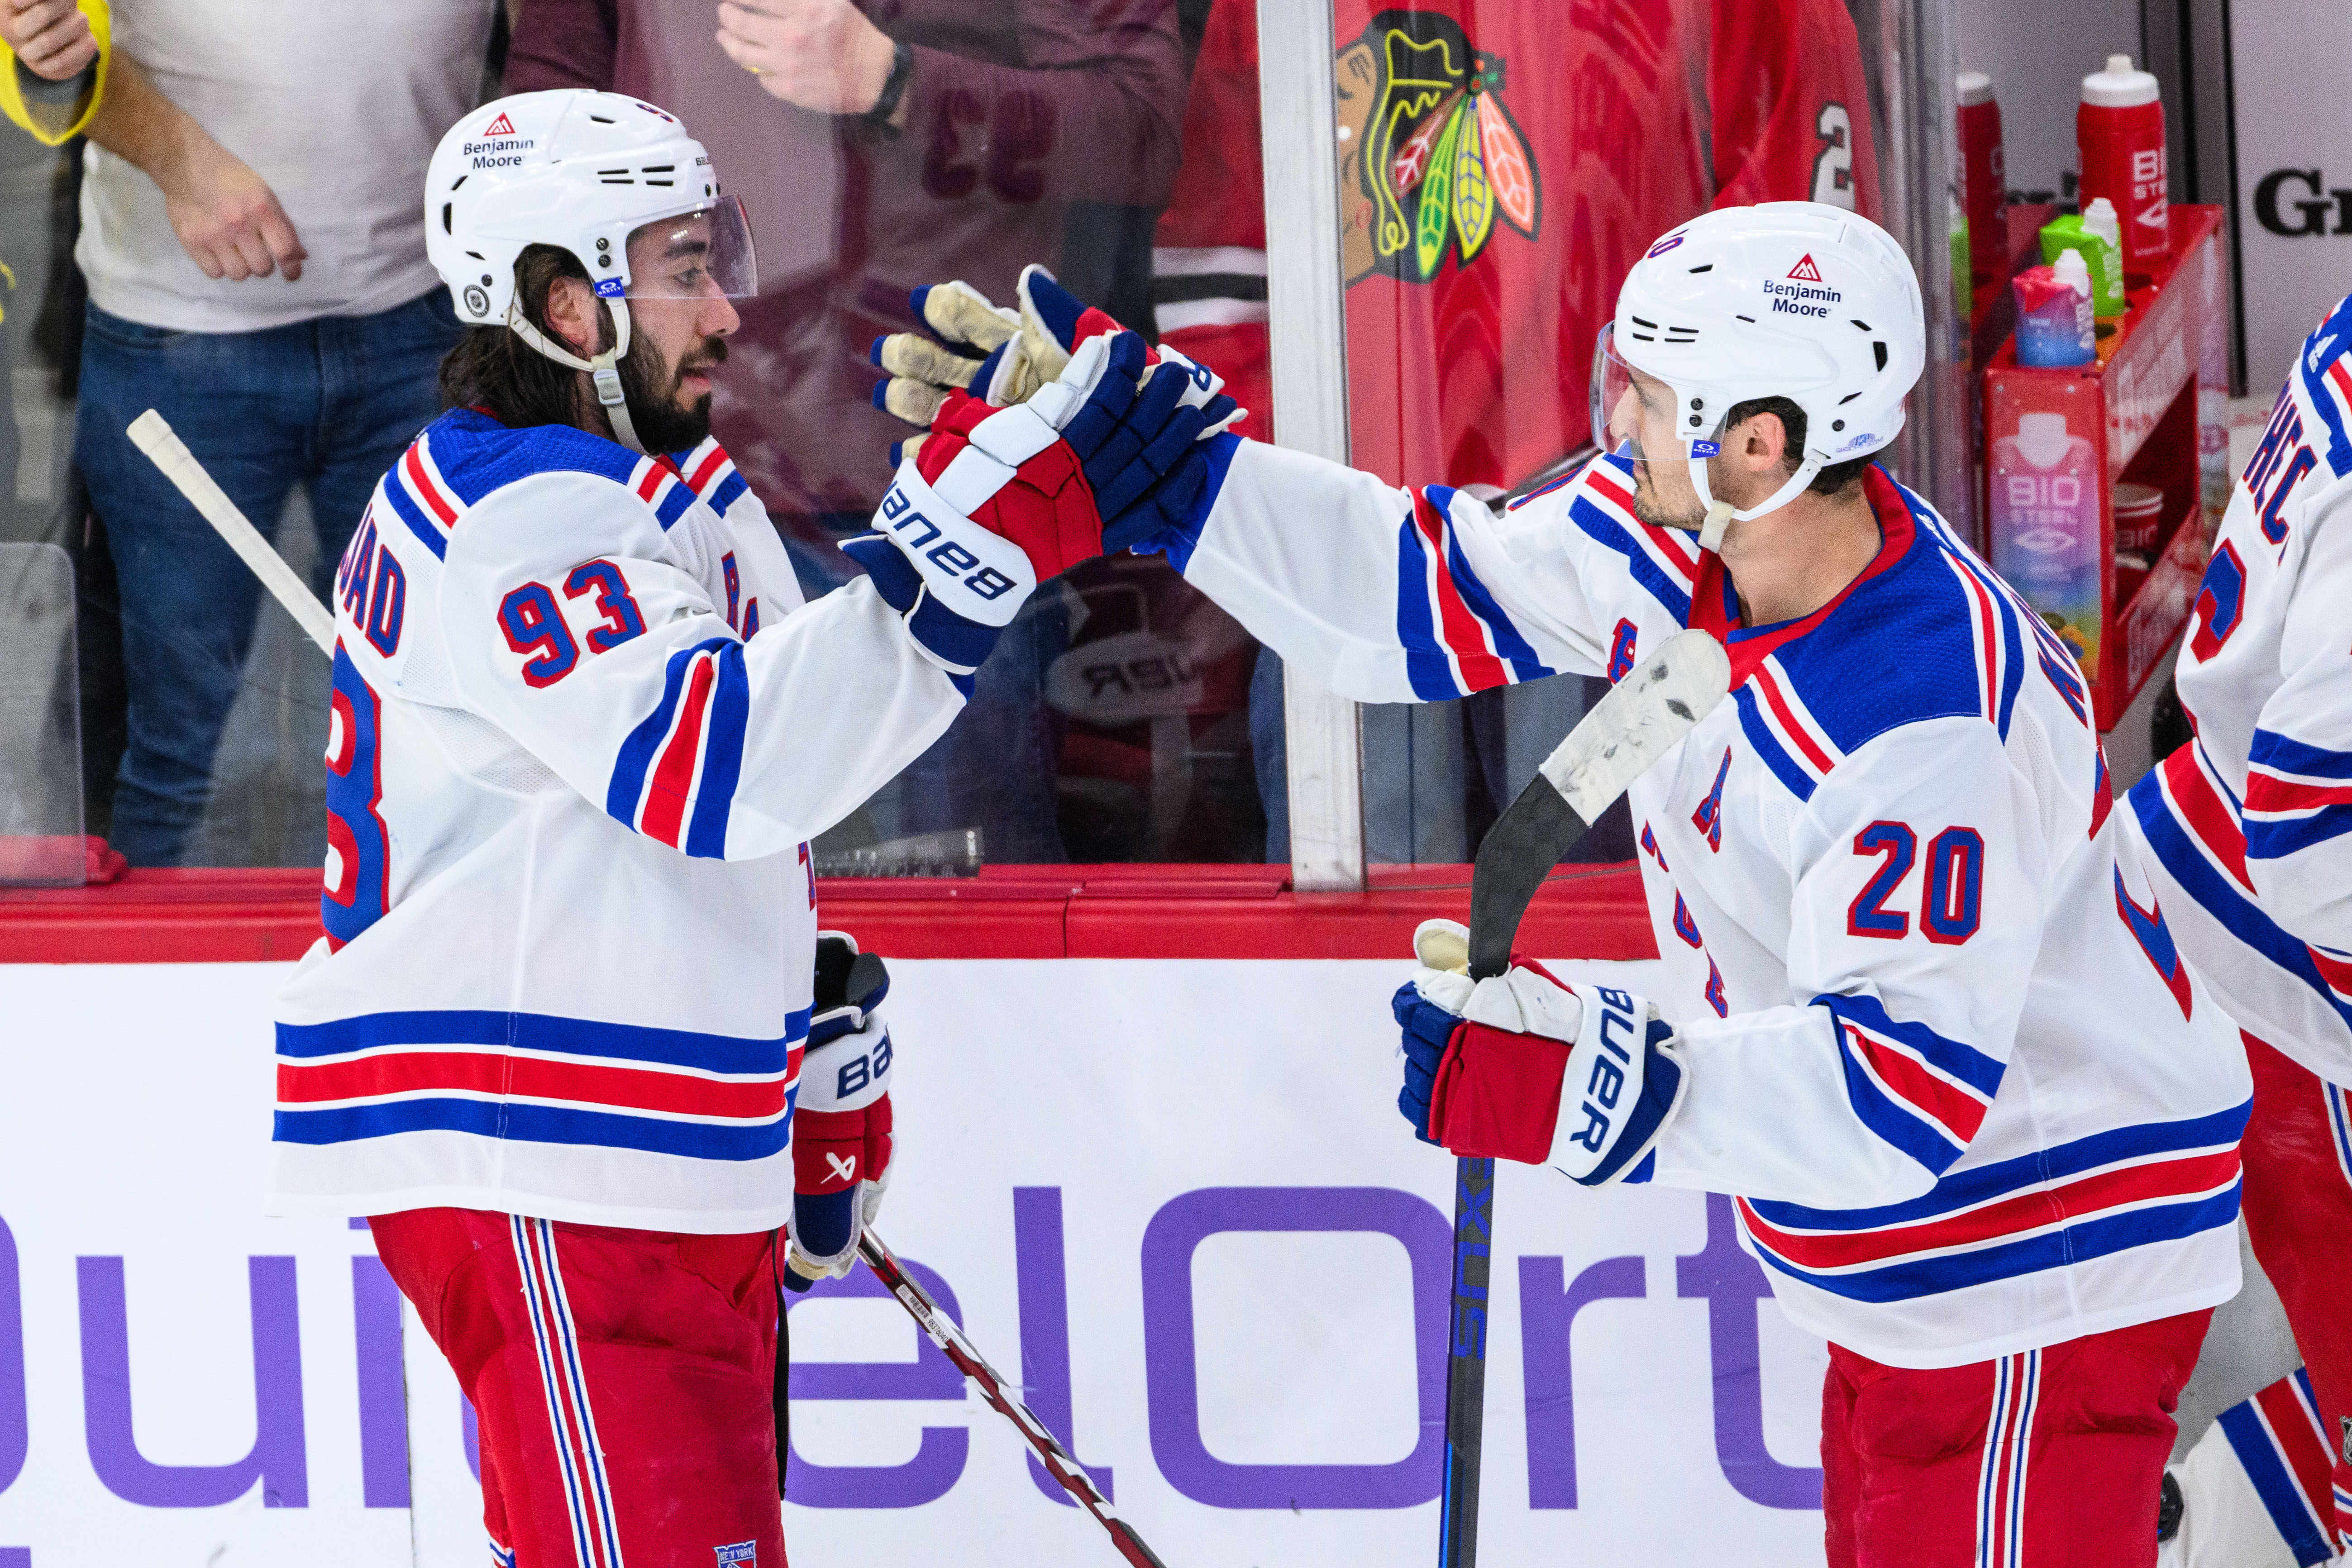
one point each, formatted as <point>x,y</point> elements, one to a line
<point>2119,130</point>
<point>1983,177</point>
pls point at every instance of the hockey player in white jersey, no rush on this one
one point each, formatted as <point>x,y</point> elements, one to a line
<point>573,986</point>
<point>2248,834</point>
<point>1917,1013</point>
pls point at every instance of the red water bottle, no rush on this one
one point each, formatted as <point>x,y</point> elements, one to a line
<point>1984,178</point>
<point>2119,129</point>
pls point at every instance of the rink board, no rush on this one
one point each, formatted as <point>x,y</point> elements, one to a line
<point>1180,1186</point>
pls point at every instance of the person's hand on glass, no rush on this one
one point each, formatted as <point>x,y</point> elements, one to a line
<point>51,39</point>
<point>822,55</point>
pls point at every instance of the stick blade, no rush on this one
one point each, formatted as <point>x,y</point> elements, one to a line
<point>1642,719</point>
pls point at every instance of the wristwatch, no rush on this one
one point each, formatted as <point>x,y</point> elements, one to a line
<point>894,88</point>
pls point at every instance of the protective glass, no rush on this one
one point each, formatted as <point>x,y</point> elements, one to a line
<point>1623,404</point>
<point>699,255</point>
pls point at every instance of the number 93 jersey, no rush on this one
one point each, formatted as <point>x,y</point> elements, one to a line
<point>2245,827</point>
<point>583,729</point>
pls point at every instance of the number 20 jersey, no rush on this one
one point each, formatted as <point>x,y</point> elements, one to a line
<point>582,728</point>
<point>2247,823</point>
<point>1938,1044</point>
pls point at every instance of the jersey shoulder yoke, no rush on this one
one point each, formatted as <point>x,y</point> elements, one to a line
<point>1928,632</point>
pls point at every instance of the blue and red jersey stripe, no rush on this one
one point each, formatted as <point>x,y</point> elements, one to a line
<point>1457,638</point>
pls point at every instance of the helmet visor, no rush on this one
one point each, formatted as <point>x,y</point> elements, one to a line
<point>699,255</point>
<point>1634,413</point>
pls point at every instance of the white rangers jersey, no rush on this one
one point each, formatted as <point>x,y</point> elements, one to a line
<point>1939,1044</point>
<point>2245,826</point>
<point>582,728</point>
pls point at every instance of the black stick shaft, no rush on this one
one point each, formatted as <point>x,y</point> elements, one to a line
<point>1518,853</point>
<point>1466,1362</point>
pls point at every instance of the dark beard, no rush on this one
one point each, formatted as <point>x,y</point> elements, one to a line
<point>662,425</point>
<point>1646,507</point>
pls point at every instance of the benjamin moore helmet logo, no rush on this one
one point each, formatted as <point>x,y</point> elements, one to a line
<point>501,126</point>
<point>1805,271</point>
<point>1431,156</point>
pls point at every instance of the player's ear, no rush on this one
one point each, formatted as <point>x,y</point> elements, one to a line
<point>1763,442</point>
<point>575,315</point>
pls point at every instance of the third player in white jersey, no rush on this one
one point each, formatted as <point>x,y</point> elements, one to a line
<point>2248,835</point>
<point>2247,823</point>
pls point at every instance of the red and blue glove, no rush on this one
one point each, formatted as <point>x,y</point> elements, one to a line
<point>1523,1066</point>
<point>842,1139</point>
<point>1006,357</point>
<point>999,499</point>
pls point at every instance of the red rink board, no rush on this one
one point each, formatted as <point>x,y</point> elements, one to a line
<point>1006,911</point>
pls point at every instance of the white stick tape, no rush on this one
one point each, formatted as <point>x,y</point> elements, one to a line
<point>154,437</point>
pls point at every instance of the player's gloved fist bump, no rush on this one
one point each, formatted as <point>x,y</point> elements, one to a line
<point>969,335</point>
<point>996,499</point>
<point>1056,323</point>
<point>842,1138</point>
<point>1093,461</point>
<point>1521,1067</point>
<point>1004,356</point>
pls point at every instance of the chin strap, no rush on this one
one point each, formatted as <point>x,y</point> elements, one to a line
<point>1720,514</point>
<point>604,370</point>
<point>1712,530</point>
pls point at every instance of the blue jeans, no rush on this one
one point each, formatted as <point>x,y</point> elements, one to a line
<point>328,404</point>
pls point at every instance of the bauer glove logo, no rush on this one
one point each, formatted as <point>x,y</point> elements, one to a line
<point>859,1071</point>
<point>1606,1083</point>
<point>987,583</point>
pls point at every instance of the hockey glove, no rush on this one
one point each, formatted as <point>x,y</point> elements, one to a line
<point>1006,357</point>
<point>1003,356</point>
<point>1522,1066</point>
<point>999,499</point>
<point>841,1128</point>
<point>995,502</point>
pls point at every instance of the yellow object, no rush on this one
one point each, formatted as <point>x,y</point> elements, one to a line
<point>41,120</point>
<point>7,286</point>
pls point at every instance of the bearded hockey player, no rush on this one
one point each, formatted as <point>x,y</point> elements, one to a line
<point>572,983</point>
<point>2245,829</point>
<point>1918,1013</point>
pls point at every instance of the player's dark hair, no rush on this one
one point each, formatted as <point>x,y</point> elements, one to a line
<point>1830,479</point>
<point>494,370</point>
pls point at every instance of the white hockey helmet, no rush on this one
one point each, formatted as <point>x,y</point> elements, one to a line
<point>586,172</point>
<point>1794,299</point>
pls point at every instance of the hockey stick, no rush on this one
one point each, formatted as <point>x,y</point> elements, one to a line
<point>1641,718</point>
<point>969,1361</point>
<point>152,435</point>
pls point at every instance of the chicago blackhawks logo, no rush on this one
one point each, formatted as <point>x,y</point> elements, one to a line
<point>1431,159</point>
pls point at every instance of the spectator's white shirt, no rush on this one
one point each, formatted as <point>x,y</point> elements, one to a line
<point>336,103</point>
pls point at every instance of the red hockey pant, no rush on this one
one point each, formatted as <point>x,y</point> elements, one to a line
<point>2298,1160</point>
<point>2050,1458</point>
<point>623,1380</point>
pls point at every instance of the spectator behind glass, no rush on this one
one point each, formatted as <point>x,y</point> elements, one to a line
<point>48,89</point>
<point>997,116</point>
<point>256,260</point>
